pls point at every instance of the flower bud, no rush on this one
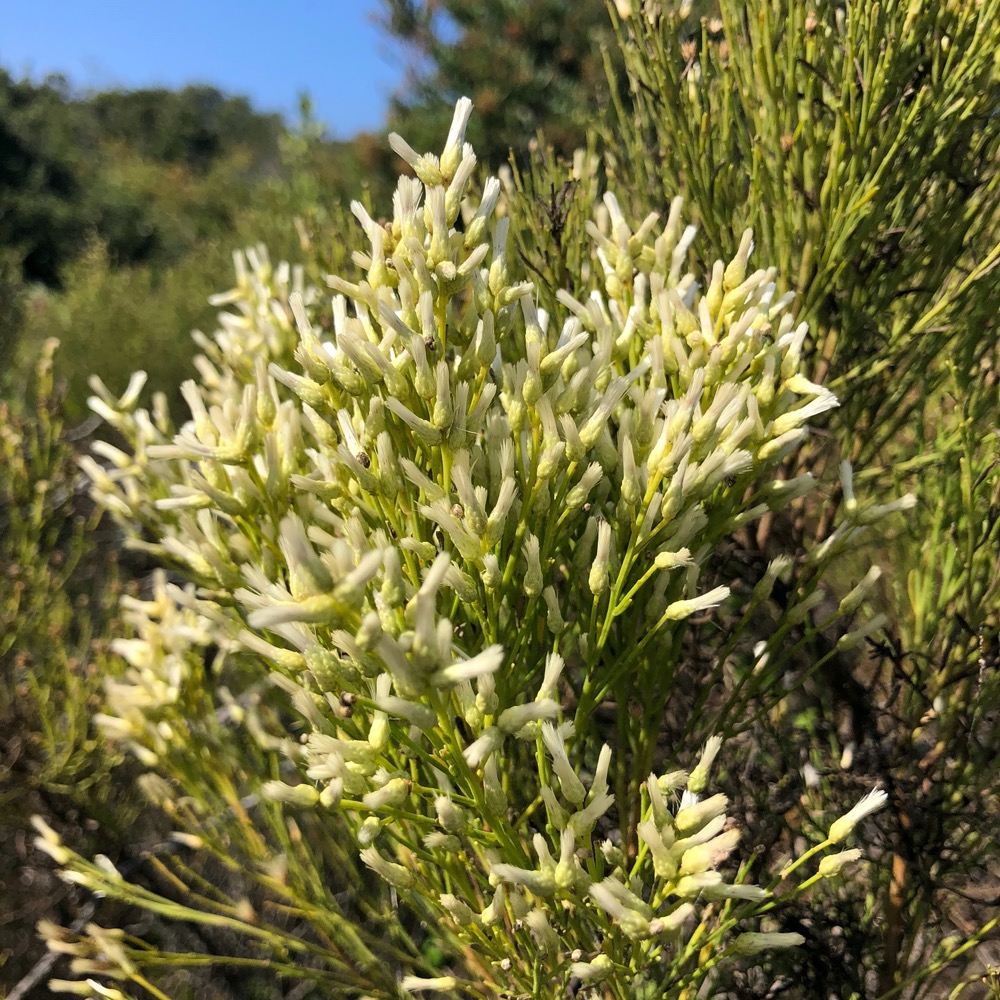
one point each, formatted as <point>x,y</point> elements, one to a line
<point>598,578</point>
<point>450,817</point>
<point>554,620</point>
<point>737,269</point>
<point>626,909</point>
<point>612,855</point>
<point>853,600</point>
<point>664,862</point>
<point>693,817</point>
<point>295,795</point>
<point>439,984</point>
<point>699,776</point>
<point>671,560</point>
<point>684,609</point>
<point>491,576</point>
<point>369,632</point>
<point>497,519</point>
<point>594,971</point>
<point>532,582</point>
<point>392,794</point>
<point>396,875</point>
<point>332,794</point>
<point>577,495</point>
<point>452,156</point>
<point>750,943</point>
<point>369,831</point>
<point>631,483</point>
<point>558,816</point>
<point>711,854</point>
<point>496,800</point>
<point>417,714</point>
<point>458,910</point>
<point>853,639</point>
<point>50,842</point>
<point>673,921</point>
<point>393,590</point>
<point>569,782</point>
<point>541,930</point>
<point>551,460</point>
<point>833,863</point>
<point>378,733</point>
<point>443,412</point>
<point>513,719</point>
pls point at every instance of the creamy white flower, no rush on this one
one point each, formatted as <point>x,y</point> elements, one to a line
<point>631,913</point>
<point>396,875</point>
<point>842,827</point>
<point>569,782</point>
<point>686,608</point>
<point>699,776</point>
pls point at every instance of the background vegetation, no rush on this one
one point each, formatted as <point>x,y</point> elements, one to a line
<point>869,174</point>
<point>122,210</point>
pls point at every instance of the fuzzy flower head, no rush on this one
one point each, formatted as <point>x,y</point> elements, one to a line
<point>841,828</point>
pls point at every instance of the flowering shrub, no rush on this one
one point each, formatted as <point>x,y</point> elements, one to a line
<point>443,564</point>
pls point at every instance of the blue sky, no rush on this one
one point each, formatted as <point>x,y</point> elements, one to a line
<point>268,51</point>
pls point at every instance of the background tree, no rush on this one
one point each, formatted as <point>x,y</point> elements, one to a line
<point>526,64</point>
<point>195,126</point>
<point>45,205</point>
<point>121,212</point>
<point>105,166</point>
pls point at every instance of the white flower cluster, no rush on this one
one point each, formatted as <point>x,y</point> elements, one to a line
<point>140,704</point>
<point>454,499</point>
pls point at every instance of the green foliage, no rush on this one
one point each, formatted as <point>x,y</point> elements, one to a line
<point>111,204</point>
<point>171,182</point>
<point>125,319</point>
<point>194,127</point>
<point>39,186</point>
<point>861,144</point>
<point>56,600</point>
<point>302,214</point>
<point>940,670</point>
<point>526,65</point>
<point>552,201</point>
<point>71,170</point>
<point>12,296</point>
<point>57,605</point>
